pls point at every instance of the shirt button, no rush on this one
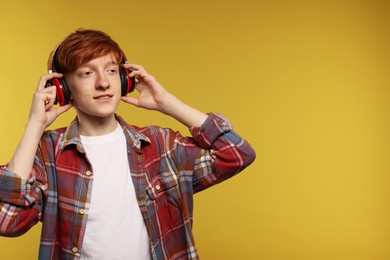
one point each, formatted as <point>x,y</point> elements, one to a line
<point>82,211</point>
<point>88,173</point>
<point>74,250</point>
<point>158,187</point>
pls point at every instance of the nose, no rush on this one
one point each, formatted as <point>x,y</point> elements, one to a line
<point>102,81</point>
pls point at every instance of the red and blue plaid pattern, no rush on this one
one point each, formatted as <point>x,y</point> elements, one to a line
<point>166,169</point>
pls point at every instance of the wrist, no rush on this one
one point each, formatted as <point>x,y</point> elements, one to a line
<point>169,105</point>
<point>184,113</point>
<point>35,128</point>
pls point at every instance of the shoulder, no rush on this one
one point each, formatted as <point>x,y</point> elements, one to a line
<point>154,133</point>
<point>53,134</point>
<point>150,131</point>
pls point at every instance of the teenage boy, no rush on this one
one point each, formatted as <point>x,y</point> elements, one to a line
<point>104,189</point>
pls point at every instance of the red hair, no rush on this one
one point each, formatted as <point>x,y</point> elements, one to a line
<point>81,47</point>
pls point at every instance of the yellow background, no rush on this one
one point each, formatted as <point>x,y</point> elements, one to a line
<point>305,82</point>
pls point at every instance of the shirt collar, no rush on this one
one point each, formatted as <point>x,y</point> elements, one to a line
<point>71,136</point>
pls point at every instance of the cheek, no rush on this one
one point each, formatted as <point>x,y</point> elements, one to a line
<point>116,81</point>
<point>80,93</point>
<point>80,89</point>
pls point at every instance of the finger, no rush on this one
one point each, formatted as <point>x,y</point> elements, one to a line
<point>136,68</point>
<point>45,96</point>
<point>126,65</point>
<point>51,90</point>
<point>49,100</point>
<point>133,66</point>
<point>138,74</point>
<point>130,100</point>
<point>63,109</point>
<point>46,91</point>
<point>53,113</point>
<point>43,79</point>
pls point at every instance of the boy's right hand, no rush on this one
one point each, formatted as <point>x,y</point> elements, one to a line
<point>42,109</point>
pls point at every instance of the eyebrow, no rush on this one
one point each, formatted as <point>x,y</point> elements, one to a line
<point>88,64</point>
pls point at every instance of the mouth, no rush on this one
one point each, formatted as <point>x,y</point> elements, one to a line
<point>103,97</point>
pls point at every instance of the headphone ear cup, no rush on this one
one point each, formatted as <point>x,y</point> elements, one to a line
<point>62,91</point>
<point>127,82</point>
<point>65,91</point>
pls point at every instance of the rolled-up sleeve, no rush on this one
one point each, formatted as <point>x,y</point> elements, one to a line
<point>21,202</point>
<point>224,153</point>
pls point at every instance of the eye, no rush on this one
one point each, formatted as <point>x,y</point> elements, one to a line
<point>112,70</point>
<point>86,73</point>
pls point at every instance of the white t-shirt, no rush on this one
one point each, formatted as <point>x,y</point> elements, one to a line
<point>115,227</point>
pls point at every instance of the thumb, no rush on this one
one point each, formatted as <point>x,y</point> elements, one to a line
<point>63,109</point>
<point>130,100</point>
<point>53,113</point>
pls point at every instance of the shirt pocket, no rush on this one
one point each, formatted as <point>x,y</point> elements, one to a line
<point>163,184</point>
<point>164,203</point>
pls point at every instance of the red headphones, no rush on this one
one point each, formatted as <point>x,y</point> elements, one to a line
<point>63,92</point>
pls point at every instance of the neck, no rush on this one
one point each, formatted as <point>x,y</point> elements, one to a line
<point>96,126</point>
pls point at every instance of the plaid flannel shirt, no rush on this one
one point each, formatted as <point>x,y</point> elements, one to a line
<point>166,169</point>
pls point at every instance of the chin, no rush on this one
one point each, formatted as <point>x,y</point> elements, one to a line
<point>101,112</point>
<point>105,112</point>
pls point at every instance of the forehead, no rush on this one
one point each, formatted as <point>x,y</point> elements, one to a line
<point>105,60</point>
